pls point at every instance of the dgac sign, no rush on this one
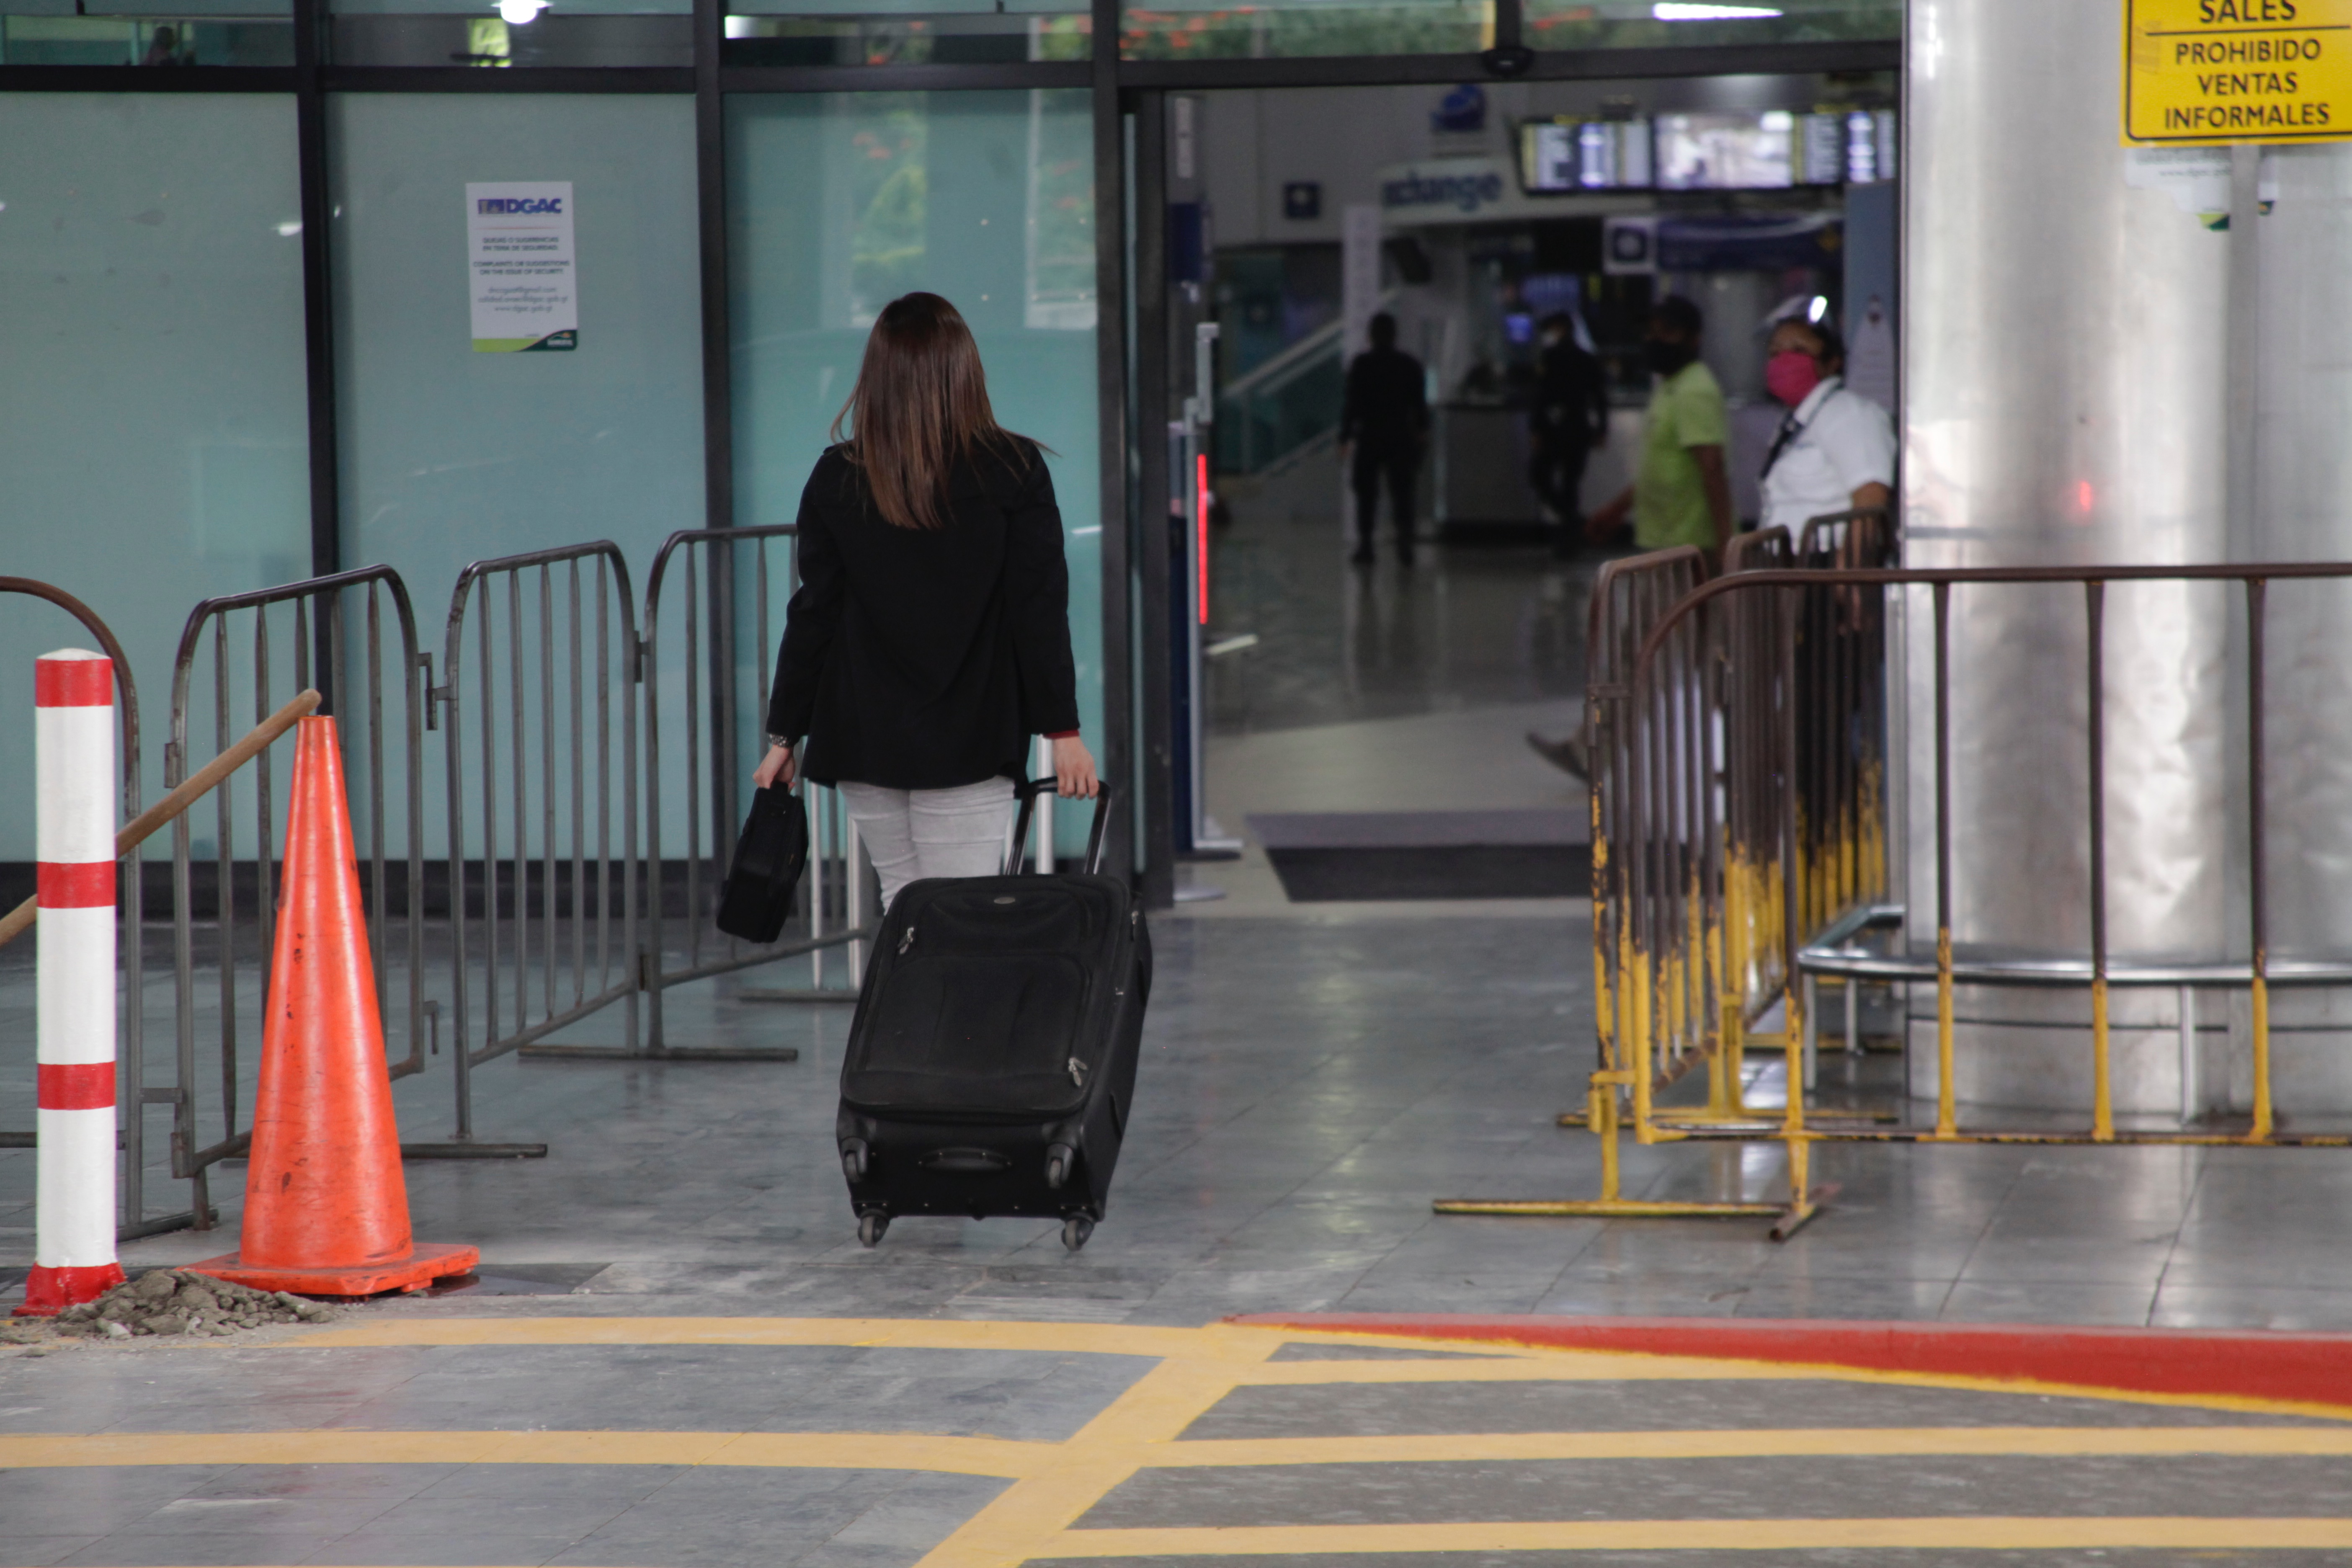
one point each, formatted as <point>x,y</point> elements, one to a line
<point>488,205</point>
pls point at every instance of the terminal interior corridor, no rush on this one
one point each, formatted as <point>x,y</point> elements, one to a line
<point>676,1351</point>
<point>1757,977</point>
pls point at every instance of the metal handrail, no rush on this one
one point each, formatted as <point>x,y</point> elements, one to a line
<point>1292,361</point>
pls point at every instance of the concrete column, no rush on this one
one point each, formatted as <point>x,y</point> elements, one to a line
<point>2067,305</point>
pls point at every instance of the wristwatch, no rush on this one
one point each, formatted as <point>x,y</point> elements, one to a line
<point>783,741</point>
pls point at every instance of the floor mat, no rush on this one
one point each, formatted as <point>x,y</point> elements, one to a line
<point>1338,856</point>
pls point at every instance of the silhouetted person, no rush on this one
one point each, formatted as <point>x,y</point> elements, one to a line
<point>162,49</point>
<point>1383,425</point>
<point>1570,418</point>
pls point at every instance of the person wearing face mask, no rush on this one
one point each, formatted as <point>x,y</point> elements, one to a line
<point>1835,449</point>
<point>1681,492</point>
<point>1570,418</point>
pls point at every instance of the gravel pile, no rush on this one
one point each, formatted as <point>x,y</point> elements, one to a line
<point>174,1301</point>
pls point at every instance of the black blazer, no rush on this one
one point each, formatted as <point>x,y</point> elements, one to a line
<point>925,658</point>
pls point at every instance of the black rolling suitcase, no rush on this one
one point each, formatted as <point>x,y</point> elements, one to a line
<point>990,1067</point>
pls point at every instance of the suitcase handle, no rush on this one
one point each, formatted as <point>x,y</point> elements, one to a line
<point>1027,791</point>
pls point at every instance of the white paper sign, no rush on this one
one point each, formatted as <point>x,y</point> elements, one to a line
<point>519,244</point>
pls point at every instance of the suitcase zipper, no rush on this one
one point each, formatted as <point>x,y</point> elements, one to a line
<point>1077,1072</point>
<point>907,941</point>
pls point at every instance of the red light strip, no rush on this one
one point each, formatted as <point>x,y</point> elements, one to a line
<point>1200,525</point>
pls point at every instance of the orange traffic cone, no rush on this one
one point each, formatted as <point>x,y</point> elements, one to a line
<point>326,1207</point>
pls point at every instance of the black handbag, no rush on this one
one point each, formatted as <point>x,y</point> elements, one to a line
<point>769,858</point>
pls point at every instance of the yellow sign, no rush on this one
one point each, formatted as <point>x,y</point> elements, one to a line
<point>2212,72</point>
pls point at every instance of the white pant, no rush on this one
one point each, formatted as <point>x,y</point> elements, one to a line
<point>917,833</point>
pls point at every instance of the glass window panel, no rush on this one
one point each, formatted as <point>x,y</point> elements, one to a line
<point>1663,24</point>
<point>513,33</point>
<point>905,32</point>
<point>450,454</point>
<point>1206,30</point>
<point>152,422</point>
<point>840,202</point>
<point>194,32</point>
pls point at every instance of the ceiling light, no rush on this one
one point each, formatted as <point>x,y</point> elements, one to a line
<point>1818,309</point>
<point>518,12</point>
<point>1667,11</point>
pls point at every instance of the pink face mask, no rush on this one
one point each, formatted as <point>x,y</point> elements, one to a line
<point>1792,376</point>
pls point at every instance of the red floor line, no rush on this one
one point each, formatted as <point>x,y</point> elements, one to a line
<point>2302,1368</point>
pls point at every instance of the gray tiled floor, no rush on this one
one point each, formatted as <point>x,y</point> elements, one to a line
<point>1309,1085</point>
<point>1312,1080</point>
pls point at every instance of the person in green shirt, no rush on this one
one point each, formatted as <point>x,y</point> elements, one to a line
<point>1681,492</point>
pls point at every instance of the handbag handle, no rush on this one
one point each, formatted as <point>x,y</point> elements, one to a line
<point>1027,791</point>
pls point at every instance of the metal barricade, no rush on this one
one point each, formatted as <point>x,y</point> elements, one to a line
<point>133,1095</point>
<point>1653,814</point>
<point>543,873</point>
<point>317,625</point>
<point>725,577</point>
<point>1693,896</point>
<point>1628,597</point>
<point>1842,756</point>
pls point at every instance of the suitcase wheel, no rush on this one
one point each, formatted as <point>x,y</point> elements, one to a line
<point>1074,1231</point>
<point>871,1225</point>
<point>1058,1159</point>
<point>853,1159</point>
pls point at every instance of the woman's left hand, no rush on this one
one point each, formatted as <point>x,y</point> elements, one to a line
<point>1073,769</point>
<point>777,764</point>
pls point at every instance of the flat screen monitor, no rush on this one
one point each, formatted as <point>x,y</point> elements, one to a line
<point>1822,149</point>
<point>1720,152</point>
<point>1559,157</point>
<point>1548,158</point>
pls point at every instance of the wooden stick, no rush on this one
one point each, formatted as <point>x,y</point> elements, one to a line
<point>18,921</point>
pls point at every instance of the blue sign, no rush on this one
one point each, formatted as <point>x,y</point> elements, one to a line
<point>1463,109</point>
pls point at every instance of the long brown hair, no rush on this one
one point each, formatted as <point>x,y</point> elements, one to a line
<point>920,406</point>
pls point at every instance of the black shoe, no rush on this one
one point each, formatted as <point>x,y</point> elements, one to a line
<point>1566,753</point>
<point>1362,557</point>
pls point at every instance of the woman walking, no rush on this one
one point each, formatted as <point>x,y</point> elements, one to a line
<point>931,635</point>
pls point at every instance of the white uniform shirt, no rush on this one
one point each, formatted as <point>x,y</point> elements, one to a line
<point>1842,441</point>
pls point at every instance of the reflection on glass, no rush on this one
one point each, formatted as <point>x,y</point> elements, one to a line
<point>915,32</point>
<point>55,33</point>
<point>1665,23</point>
<point>837,204</point>
<point>1164,32</point>
<point>451,455</point>
<point>156,443</point>
<point>499,34</point>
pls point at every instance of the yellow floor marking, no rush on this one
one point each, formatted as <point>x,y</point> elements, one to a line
<point>767,1451</point>
<point>1014,1461</point>
<point>1154,1411</point>
<point>1534,1364</point>
<point>897,1334</point>
<point>1709,1535</point>
<point>1242,1346</point>
<point>1500,1447</point>
<point>1055,1485</point>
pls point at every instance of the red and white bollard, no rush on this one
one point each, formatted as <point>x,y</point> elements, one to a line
<point>73,1248</point>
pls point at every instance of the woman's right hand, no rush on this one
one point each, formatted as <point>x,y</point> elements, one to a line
<point>1073,769</point>
<point>777,764</point>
